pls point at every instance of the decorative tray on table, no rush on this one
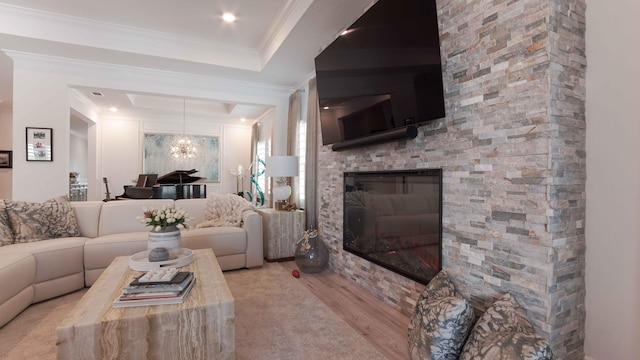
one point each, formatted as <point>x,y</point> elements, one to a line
<point>140,261</point>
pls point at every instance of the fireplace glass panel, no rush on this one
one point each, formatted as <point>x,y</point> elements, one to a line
<point>394,219</point>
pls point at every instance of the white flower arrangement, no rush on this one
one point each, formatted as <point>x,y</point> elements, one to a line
<point>164,217</point>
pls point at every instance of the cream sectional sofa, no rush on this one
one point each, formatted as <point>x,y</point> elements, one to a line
<point>36,271</point>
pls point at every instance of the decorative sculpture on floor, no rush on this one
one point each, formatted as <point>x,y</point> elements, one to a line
<point>254,180</point>
<point>311,254</point>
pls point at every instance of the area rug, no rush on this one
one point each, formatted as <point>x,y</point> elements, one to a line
<point>276,318</point>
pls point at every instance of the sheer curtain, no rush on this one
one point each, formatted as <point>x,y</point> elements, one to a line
<point>255,191</point>
<point>292,135</point>
<point>311,166</point>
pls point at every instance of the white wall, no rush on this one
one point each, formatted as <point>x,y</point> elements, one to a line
<point>121,154</point>
<point>122,150</point>
<point>6,135</point>
<point>42,98</point>
<point>237,151</point>
<point>78,161</point>
<point>5,144</point>
<point>613,180</point>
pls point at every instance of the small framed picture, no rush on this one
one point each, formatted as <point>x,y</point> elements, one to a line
<point>39,144</point>
<point>6,159</point>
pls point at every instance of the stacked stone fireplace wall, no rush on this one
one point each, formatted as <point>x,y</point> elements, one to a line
<point>512,150</point>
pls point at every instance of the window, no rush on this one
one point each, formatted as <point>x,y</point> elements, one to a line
<point>261,153</point>
<point>301,150</point>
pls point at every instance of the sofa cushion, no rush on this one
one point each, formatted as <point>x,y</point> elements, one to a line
<point>404,204</point>
<point>503,333</point>
<point>118,217</point>
<point>195,209</point>
<point>51,219</point>
<point>358,198</point>
<point>440,323</point>
<point>88,216</point>
<point>226,240</point>
<point>100,252</point>
<point>383,204</point>
<point>407,225</point>
<point>17,272</point>
<point>6,234</point>
<point>55,258</point>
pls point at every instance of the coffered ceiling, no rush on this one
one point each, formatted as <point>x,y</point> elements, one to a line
<point>272,41</point>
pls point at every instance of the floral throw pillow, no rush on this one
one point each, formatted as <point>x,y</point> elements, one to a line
<point>6,235</point>
<point>440,323</point>
<point>51,219</point>
<point>503,333</point>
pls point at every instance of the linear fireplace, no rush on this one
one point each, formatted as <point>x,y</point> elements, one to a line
<point>394,219</point>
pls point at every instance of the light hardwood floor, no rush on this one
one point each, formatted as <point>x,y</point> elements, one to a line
<point>384,327</point>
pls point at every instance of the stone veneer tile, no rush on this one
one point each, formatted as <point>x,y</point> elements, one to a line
<point>512,150</point>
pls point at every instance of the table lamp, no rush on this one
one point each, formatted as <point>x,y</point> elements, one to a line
<point>280,168</point>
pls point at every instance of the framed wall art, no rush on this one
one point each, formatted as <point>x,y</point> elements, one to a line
<point>156,158</point>
<point>39,144</point>
<point>6,159</point>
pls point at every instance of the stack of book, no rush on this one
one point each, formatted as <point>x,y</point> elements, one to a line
<point>150,289</point>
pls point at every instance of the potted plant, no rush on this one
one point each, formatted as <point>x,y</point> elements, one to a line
<point>166,224</point>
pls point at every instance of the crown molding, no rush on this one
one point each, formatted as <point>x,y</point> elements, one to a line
<point>281,27</point>
<point>163,83</point>
<point>62,64</point>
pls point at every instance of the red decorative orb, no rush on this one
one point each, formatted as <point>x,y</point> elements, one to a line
<point>295,273</point>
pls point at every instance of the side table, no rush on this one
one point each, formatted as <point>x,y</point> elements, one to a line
<point>281,230</point>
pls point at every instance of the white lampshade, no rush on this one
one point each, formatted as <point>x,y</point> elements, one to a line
<point>281,167</point>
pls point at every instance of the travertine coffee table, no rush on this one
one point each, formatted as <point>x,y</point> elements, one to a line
<point>202,327</point>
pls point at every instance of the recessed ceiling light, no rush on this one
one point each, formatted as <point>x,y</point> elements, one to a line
<point>228,17</point>
<point>243,119</point>
<point>113,109</point>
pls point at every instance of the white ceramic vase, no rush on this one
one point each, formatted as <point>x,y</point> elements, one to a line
<point>168,238</point>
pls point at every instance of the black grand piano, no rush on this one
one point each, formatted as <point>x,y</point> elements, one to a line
<point>178,184</point>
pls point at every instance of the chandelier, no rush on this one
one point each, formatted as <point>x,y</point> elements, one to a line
<point>184,147</point>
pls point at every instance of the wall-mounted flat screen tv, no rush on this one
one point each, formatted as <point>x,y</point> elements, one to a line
<point>383,73</point>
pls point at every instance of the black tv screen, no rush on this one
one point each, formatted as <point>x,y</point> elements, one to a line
<point>383,73</point>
